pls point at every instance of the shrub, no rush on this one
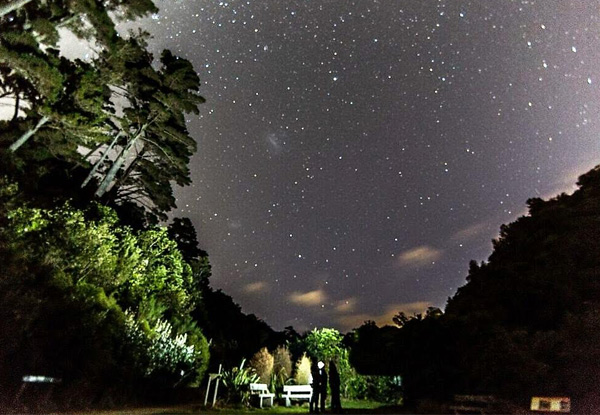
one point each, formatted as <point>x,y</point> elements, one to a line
<point>262,363</point>
<point>282,368</point>
<point>68,274</point>
<point>302,375</point>
<point>237,381</point>
<point>324,344</point>
<point>282,362</point>
<point>157,351</point>
<point>386,389</point>
<point>355,386</point>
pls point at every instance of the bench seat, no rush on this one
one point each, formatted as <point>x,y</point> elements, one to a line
<point>296,392</point>
<point>262,391</point>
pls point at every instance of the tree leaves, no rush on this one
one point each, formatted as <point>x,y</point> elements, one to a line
<point>127,114</point>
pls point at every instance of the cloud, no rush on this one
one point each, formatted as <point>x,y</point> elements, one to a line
<point>471,232</point>
<point>348,322</point>
<point>419,256</point>
<point>234,224</point>
<point>275,143</point>
<point>310,298</point>
<point>256,287</point>
<point>567,182</point>
<point>346,306</point>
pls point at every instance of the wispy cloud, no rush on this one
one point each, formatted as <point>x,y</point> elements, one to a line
<point>310,298</point>
<point>471,231</point>
<point>350,321</point>
<point>567,183</point>
<point>419,256</point>
<point>256,287</point>
<point>276,143</point>
<point>346,306</point>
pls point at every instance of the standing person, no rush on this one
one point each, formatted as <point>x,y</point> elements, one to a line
<point>334,385</point>
<point>315,383</point>
<point>322,384</point>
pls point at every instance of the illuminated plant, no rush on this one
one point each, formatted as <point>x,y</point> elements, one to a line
<point>237,381</point>
<point>262,363</point>
<point>302,375</point>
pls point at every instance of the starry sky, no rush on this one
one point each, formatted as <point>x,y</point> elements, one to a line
<point>353,156</point>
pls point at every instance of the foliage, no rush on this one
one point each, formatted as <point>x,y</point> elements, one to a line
<point>68,275</point>
<point>151,139</point>
<point>108,128</point>
<point>262,363</point>
<point>237,381</point>
<point>302,373</point>
<point>181,230</point>
<point>386,389</point>
<point>324,344</point>
<point>158,350</point>
<point>282,368</point>
<point>282,361</point>
<point>115,116</point>
<point>234,335</point>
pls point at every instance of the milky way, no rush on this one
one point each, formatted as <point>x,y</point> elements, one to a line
<point>353,156</point>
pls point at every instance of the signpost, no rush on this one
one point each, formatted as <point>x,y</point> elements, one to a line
<point>551,404</point>
<point>211,377</point>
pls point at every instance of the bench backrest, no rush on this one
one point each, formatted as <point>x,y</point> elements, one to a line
<point>297,388</point>
<point>259,387</point>
<point>40,379</point>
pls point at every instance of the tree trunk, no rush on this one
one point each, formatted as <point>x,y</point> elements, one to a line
<point>12,6</point>
<point>129,168</point>
<point>16,113</point>
<point>27,135</point>
<point>110,176</point>
<point>99,162</point>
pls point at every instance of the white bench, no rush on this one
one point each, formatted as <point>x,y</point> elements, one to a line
<point>296,392</point>
<point>262,391</point>
<point>39,380</point>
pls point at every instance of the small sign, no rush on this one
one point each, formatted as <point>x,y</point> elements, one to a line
<point>551,404</point>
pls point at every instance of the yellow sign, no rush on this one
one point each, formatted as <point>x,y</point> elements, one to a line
<point>551,404</point>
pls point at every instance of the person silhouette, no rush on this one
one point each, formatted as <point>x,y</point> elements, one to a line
<point>315,383</point>
<point>322,384</point>
<point>334,385</point>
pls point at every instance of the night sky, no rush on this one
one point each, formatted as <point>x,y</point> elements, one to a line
<point>353,156</point>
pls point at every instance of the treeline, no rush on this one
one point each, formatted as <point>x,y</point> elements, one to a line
<point>527,322</point>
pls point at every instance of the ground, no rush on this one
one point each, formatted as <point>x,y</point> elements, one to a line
<point>350,407</point>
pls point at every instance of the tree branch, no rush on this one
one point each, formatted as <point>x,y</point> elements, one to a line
<point>12,6</point>
<point>27,135</point>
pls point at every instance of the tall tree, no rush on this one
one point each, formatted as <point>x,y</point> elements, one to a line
<point>128,116</point>
<point>153,146</point>
<point>29,33</point>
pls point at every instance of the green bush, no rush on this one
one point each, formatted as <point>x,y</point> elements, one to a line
<point>237,381</point>
<point>386,389</point>
<point>158,350</point>
<point>324,344</point>
<point>68,274</point>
